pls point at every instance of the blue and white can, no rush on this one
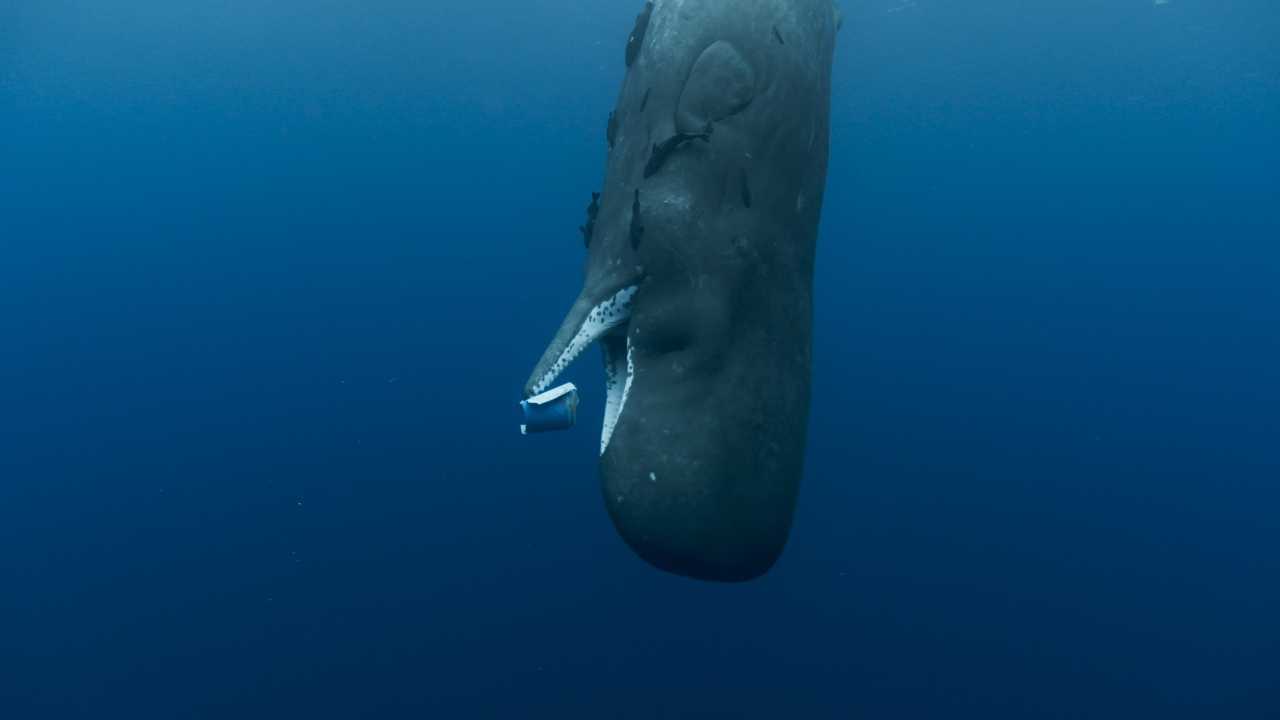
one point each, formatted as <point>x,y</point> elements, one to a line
<point>555,409</point>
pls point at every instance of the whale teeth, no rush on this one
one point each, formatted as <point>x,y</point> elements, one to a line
<point>603,317</point>
<point>613,384</point>
<point>617,384</point>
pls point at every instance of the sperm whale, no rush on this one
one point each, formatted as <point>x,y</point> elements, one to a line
<point>698,282</point>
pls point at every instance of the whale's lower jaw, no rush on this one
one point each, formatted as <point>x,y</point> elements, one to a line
<point>607,323</point>
<point>599,321</point>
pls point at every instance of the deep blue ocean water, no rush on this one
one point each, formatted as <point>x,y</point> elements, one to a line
<point>272,276</point>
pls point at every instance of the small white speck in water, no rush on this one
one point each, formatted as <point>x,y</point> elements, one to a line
<point>653,477</point>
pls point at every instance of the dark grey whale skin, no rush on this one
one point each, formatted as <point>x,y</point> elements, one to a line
<point>702,472</point>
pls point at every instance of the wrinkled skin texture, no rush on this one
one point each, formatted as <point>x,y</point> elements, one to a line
<point>703,468</point>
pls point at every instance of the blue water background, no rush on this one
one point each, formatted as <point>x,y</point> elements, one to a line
<point>273,274</point>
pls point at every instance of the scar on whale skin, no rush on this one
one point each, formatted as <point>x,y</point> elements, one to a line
<point>698,280</point>
<point>663,150</point>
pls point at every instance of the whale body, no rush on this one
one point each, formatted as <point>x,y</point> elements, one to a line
<point>698,280</point>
